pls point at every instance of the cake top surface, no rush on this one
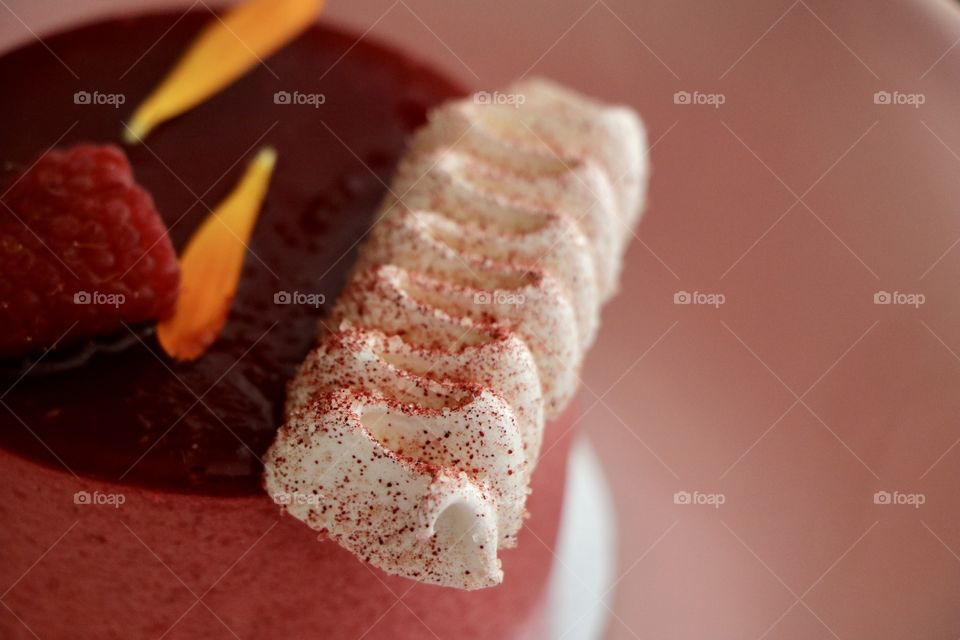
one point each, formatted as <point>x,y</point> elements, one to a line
<point>339,126</point>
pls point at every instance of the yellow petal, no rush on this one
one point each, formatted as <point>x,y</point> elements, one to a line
<point>228,47</point>
<point>211,264</point>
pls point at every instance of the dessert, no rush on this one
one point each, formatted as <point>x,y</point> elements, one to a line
<point>131,497</point>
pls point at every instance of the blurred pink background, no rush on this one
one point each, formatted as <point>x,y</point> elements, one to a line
<point>784,182</point>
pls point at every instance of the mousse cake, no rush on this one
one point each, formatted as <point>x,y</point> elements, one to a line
<point>429,332</point>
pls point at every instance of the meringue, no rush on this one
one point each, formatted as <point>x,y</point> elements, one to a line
<point>423,492</point>
<point>411,432</point>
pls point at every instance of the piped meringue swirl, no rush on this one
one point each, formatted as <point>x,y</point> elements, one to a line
<point>412,430</point>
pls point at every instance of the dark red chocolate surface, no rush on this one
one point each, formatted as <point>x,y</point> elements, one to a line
<point>132,414</point>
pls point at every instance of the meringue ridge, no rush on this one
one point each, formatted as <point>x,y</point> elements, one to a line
<point>412,430</point>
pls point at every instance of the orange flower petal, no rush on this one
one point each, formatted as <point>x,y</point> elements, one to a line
<point>211,264</point>
<point>223,52</point>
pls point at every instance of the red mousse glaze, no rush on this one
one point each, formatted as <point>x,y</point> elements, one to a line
<point>128,414</point>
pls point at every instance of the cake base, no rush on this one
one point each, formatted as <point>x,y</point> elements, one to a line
<point>90,560</point>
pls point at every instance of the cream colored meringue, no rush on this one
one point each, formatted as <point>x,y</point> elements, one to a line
<point>536,176</point>
<point>423,492</point>
<point>533,306</point>
<point>460,202</point>
<point>393,367</point>
<point>412,430</point>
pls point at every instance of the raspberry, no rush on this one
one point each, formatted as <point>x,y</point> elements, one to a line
<point>82,251</point>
